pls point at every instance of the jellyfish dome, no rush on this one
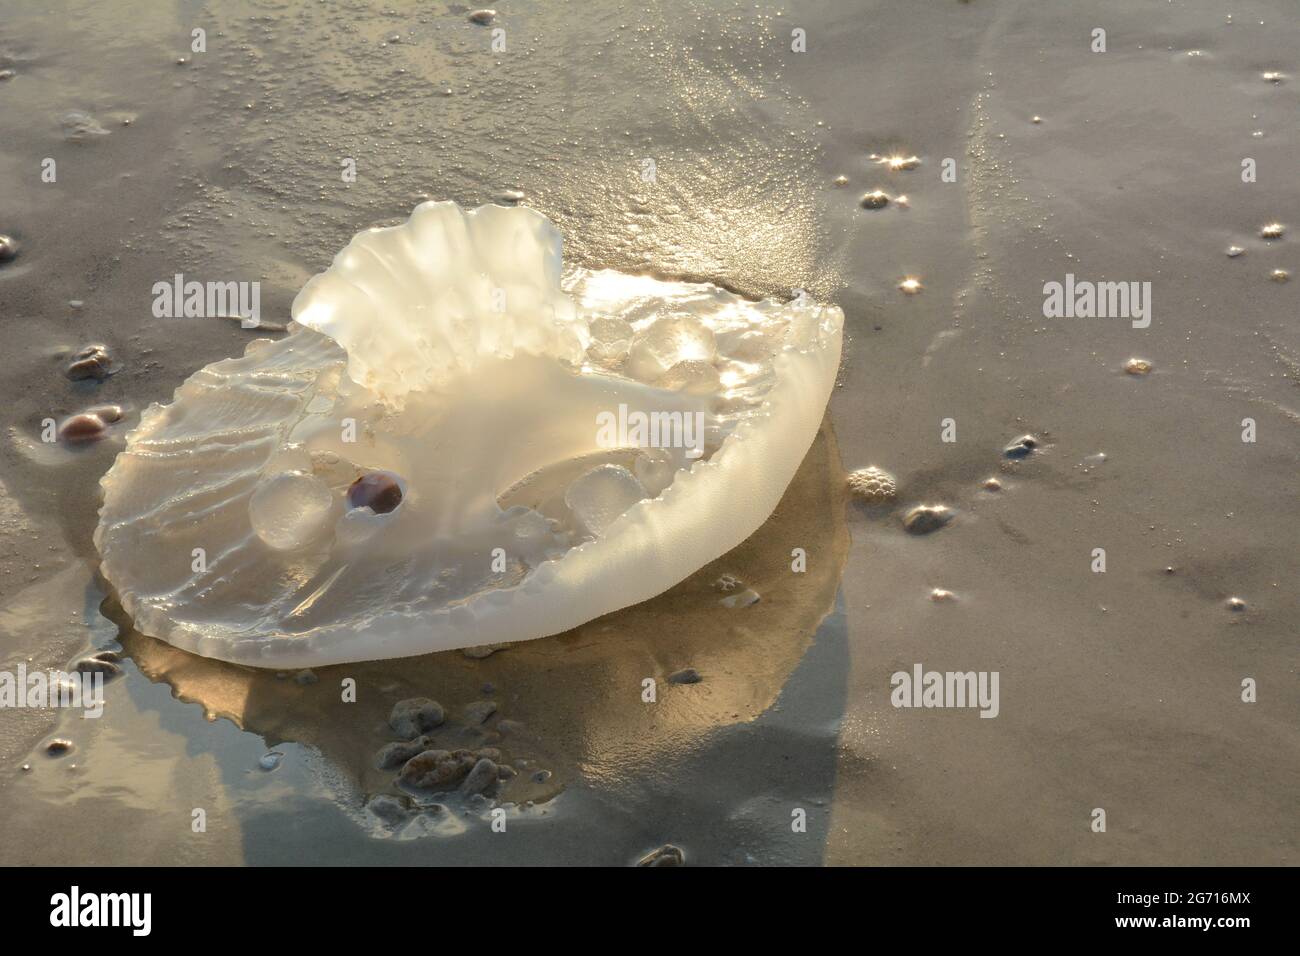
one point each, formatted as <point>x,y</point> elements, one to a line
<point>459,444</point>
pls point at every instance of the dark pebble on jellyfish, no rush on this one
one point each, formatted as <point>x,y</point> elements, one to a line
<point>666,855</point>
<point>378,491</point>
<point>414,716</point>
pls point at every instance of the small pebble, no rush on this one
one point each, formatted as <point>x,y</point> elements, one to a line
<point>82,429</point>
<point>1273,76</point>
<point>687,675</point>
<point>666,855</point>
<point>387,808</point>
<point>923,519</point>
<point>482,776</point>
<point>741,598</point>
<point>482,17</point>
<point>391,756</point>
<point>901,162</point>
<point>910,286</point>
<point>841,180</point>
<point>108,414</point>
<point>93,361</point>
<point>1279,275</point>
<point>1236,604</point>
<point>1022,447</point>
<point>992,484</point>
<point>269,761</point>
<point>510,196</point>
<point>437,769</point>
<point>305,678</point>
<point>58,747</point>
<point>940,594</point>
<point>1274,230</point>
<point>873,484</point>
<point>8,248</point>
<point>414,716</point>
<point>7,75</point>
<point>541,776</point>
<point>1137,366</point>
<point>1234,251</point>
<point>876,199</point>
<point>479,711</point>
<point>507,727</point>
<point>104,663</point>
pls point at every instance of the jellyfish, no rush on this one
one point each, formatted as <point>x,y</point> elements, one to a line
<point>458,443</point>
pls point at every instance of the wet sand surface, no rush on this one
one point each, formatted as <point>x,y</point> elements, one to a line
<point>1119,690</point>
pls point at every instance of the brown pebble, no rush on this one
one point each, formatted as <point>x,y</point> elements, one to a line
<point>876,199</point>
<point>378,491</point>
<point>58,747</point>
<point>81,429</point>
<point>482,17</point>
<point>91,362</point>
<point>923,519</point>
<point>8,248</point>
<point>109,414</point>
<point>666,855</point>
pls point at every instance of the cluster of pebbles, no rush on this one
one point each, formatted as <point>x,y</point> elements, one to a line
<point>874,486</point>
<point>434,777</point>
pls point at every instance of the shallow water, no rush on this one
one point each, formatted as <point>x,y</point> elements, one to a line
<point>1119,690</point>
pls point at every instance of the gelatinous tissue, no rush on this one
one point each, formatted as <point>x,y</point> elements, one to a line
<point>458,445</point>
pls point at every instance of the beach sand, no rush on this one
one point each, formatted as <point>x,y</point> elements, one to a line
<point>1119,690</point>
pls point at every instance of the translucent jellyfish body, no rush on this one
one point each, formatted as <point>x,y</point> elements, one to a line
<point>455,445</point>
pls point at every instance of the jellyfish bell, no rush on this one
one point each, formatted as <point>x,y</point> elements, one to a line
<point>417,465</point>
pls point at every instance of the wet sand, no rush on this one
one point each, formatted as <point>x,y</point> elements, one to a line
<point>1118,690</point>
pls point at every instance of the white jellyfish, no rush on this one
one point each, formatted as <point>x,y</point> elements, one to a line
<point>441,453</point>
